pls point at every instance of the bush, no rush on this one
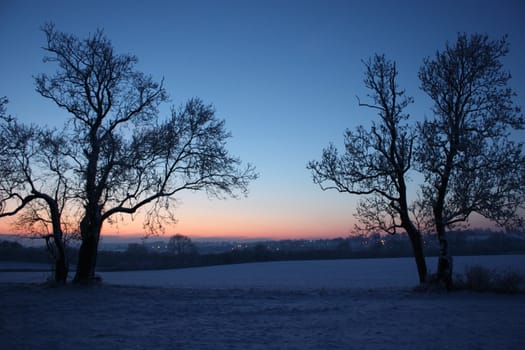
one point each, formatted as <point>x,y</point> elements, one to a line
<point>508,282</point>
<point>482,279</point>
<point>478,278</point>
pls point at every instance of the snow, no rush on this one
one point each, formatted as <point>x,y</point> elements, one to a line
<point>357,273</point>
<point>337,304</point>
<point>314,274</point>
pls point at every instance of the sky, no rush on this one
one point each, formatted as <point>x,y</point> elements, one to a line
<point>283,74</point>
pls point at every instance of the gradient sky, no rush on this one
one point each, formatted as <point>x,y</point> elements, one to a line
<point>284,75</point>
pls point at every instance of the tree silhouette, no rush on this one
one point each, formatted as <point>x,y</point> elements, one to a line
<point>469,163</point>
<point>122,156</point>
<point>181,245</point>
<point>376,161</point>
<point>38,198</point>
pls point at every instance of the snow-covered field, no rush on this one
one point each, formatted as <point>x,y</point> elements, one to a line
<point>339,304</point>
<point>318,274</point>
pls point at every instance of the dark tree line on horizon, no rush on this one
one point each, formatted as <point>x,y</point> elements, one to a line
<point>140,256</point>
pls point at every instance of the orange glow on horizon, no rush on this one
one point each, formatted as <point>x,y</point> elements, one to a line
<point>227,227</point>
<point>238,228</point>
<point>216,220</point>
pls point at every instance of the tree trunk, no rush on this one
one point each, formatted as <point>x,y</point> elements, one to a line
<point>417,248</point>
<point>90,228</point>
<point>61,263</point>
<point>55,246</point>
<point>413,233</point>
<point>444,270</point>
<point>87,260</point>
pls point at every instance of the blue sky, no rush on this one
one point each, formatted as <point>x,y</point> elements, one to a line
<point>284,75</point>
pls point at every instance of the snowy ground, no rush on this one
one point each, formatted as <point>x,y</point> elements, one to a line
<point>317,274</point>
<point>341,304</point>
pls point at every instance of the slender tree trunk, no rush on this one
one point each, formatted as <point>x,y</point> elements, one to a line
<point>444,270</point>
<point>413,233</point>
<point>417,248</point>
<point>56,248</point>
<point>61,263</point>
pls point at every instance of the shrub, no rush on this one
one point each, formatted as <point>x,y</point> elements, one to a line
<point>478,278</point>
<point>508,282</point>
<point>482,279</point>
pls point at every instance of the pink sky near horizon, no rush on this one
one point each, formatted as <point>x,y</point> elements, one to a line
<point>199,216</point>
<point>215,220</point>
<point>221,229</point>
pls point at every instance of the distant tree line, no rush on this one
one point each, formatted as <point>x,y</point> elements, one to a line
<point>138,257</point>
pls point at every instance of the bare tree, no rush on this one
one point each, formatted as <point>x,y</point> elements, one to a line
<point>181,245</point>
<point>376,161</point>
<point>469,163</point>
<point>38,197</point>
<point>124,156</point>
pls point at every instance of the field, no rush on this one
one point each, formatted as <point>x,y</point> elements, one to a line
<point>340,304</point>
